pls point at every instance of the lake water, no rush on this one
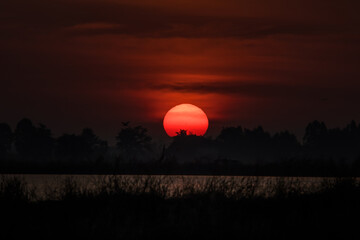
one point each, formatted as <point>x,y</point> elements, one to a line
<point>173,185</point>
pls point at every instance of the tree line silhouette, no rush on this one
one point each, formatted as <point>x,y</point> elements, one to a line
<point>36,143</point>
<point>234,147</point>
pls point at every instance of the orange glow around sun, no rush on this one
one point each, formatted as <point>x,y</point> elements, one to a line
<point>186,117</point>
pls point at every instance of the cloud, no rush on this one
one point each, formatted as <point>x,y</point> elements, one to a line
<point>271,90</point>
<point>104,17</point>
<point>201,28</point>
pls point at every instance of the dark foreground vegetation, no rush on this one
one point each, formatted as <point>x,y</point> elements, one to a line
<point>323,151</point>
<point>143,208</point>
<point>289,167</point>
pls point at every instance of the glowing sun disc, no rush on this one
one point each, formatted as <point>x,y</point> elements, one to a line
<point>185,117</point>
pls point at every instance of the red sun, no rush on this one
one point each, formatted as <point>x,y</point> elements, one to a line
<point>185,117</point>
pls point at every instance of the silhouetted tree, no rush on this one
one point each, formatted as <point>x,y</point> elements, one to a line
<point>189,147</point>
<point>86,146</point>
<point>257,138</point>
<point>285,140</point>
<point>70,146</point>
<point>231,136</point>
<point>256,145</point>
<point>182,132</point>
<point>343,143</point>
<point>6,139</point>
<point>230,142</point>
<point>24,137</point>
<point>285,145</point>
<point>44,142</point>
<point>352,133</point>
<point>93,144</point>
<point>33,142</point>
<point>133,141</point>
<point>333,144</point>
<point>315,134</point>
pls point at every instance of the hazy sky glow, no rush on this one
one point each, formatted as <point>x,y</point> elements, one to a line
<point>95,63</point>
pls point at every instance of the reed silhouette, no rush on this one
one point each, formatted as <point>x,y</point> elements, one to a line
<point>146,207</point>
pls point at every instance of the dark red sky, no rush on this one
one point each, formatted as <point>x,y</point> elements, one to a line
<point>281,64</point>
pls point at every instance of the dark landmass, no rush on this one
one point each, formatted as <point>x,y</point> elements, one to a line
<point>221,210</point>
<point>236,151</point>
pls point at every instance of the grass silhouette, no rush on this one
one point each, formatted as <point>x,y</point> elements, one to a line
<point>147,207</point>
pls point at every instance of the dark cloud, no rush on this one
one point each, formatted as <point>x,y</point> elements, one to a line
<point>271,90</point>
<point>199,27</point>
<point>103,17</point>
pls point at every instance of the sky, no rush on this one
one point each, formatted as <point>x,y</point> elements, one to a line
<point>72,64</point>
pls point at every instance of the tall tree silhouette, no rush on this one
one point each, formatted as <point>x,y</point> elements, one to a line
<point>6,139</point>
<point>315,134</point>
<point>231,136</point>
<point>32,142</point>
<point>94,147</point>
<point>285,140</point>
<point>69,147</point>
<point>230,142</point>
<point>285,145</point>
<point>24,138</point>
<point>44,142</point>
<point>352,132</point>
<point>257,138</point>
<point>86,146</point>
<point>133,141</point>
<point>333,143</point>
<point>187,147</point>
